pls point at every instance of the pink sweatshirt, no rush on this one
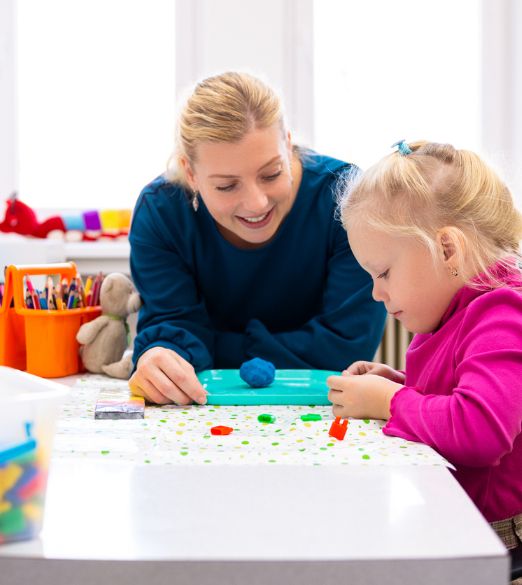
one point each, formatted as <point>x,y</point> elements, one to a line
<point>463,396</point>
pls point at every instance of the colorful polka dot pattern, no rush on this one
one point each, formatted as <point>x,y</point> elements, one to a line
<point>181,435</point>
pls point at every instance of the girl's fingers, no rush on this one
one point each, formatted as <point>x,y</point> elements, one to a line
<point>358,368</point>
<point>338,410</point>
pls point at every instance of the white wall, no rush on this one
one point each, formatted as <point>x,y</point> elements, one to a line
<point>275,37</point>
<point>271,38</point>
<point>502,89</point>
<point>8,142</point>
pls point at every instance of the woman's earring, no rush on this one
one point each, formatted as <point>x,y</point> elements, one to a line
<point>195,200</point>
<point>454,272</point>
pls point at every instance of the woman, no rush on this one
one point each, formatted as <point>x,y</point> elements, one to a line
<point>237,253</point>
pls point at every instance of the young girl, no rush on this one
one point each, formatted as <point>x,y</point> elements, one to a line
<point>438,232</point>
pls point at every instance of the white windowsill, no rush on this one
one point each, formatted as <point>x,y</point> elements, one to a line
<point>91,257</point>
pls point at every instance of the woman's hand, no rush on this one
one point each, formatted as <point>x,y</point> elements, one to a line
<point>162,376</point>
<point>362,368</point>
<point>365,396</point>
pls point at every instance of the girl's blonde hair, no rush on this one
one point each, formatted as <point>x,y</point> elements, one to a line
<point>222,108</point>
<point>438,186</point>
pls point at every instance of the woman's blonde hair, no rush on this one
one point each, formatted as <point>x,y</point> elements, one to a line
<point>222,108</point>
<point>438,186</point>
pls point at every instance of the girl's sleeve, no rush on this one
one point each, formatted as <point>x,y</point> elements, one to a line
<point>477,422</point>
<point>348,327</point>
<point>172,315</point>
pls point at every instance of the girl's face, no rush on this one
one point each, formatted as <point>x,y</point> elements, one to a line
<point>415,288</point>
<point>247,186</point>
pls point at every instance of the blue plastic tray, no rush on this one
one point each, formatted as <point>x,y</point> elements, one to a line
<point>225,387</point>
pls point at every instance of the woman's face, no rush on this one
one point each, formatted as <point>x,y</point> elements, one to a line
<point>247,186</point>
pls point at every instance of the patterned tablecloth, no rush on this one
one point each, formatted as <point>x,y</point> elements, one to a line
<point>171,435</point>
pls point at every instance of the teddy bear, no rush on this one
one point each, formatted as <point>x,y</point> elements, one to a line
<point>104,340</point>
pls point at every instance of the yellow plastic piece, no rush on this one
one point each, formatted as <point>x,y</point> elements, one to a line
<point>8,477</point>
<point>32,511</point>
<point>5,506</point>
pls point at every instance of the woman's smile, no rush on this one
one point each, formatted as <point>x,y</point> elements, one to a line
<point>256,222</point>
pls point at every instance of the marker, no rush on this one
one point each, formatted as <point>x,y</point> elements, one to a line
<point>81,290</point>
<point>88,285</point>
<point>42,300</point>
<point>29,301</point>
<point>70,300</point>
<point>65,289</point>
<point>32,292</point>
<point>51,300</point>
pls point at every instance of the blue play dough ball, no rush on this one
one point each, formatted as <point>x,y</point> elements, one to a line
<point>257,372</point>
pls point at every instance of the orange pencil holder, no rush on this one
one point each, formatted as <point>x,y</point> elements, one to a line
<point>40,341</point>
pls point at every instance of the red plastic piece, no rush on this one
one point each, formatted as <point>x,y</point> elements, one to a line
<point>221,430</point>
<point>32,488</point>
<point>338,428</point>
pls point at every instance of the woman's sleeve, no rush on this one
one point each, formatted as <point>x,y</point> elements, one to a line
<point>348,327</point>
<point>172,316</point>
<point>477,423</point>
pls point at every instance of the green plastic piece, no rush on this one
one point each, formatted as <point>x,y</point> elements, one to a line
<point>12,522</point>
<point>306,417</point>
<point>300,387</point>
<point>266,418</point>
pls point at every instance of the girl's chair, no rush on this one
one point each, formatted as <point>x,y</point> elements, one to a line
<point>516,562</point>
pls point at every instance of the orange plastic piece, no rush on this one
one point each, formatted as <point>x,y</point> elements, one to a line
<point>221,430</point>
<point>42,342</point>
<point>338,428</point>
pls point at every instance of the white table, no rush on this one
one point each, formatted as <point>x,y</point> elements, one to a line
<point>227,524</point>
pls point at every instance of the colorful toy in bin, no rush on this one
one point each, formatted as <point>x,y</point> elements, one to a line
<point>28,409</point>
<point>42,342</point>
<point>21,486</point>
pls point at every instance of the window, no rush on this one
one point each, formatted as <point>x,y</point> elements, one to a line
<point>391,70</point>
<point>96,100</point>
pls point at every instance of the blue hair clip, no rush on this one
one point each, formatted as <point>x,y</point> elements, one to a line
<point>402,147</point>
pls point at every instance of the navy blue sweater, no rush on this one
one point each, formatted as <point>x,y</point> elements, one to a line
<point>300,301</point>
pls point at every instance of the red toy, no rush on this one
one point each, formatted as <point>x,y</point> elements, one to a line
<point>338,428</point>
<point>221,430</point>
<point>21,219</point>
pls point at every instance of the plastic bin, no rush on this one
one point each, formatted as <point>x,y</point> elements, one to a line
<point>28,412</point>
<point>40,341</point>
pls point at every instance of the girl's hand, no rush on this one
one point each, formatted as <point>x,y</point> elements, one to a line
<point>162,376</point>
<point>367,396</point>
<point>362,368</point>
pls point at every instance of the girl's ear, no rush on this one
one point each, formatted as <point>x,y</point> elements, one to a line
<point>446,244</point>
<point>188,172</point>
<point>449,244</point>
